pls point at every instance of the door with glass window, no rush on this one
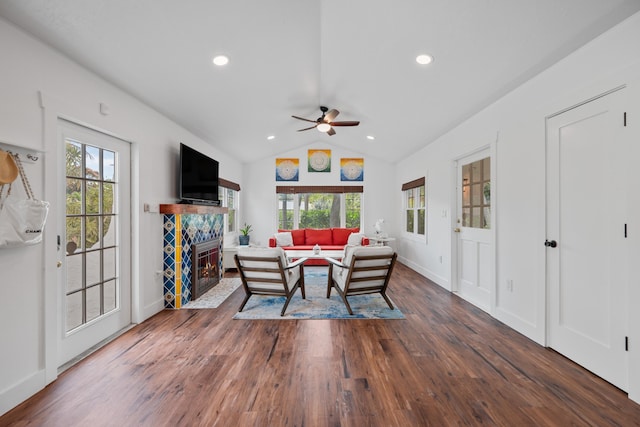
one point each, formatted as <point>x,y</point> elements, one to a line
<point>95,292</point>
<point>473,230</point>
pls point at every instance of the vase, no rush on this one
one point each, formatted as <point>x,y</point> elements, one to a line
<point>243,240</point>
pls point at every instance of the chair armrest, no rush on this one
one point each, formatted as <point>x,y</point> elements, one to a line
<point>296,263</point>
<point>335,262</point>
<point>272,242</point>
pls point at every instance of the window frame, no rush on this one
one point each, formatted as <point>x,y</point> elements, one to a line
<point>298,191</point>
<point>224,186</point>
<point>413,188</point>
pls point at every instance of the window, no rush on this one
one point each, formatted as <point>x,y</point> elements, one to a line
<point>476,194</point>
<point>415,206</point>
<point>229,193</point>
<point>319,207</point>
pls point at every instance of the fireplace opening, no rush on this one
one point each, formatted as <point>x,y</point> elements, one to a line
<point>205,271</point>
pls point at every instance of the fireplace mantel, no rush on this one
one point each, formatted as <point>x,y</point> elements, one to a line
<point>179,208</point>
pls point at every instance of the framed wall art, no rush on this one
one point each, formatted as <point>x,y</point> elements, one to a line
<point>287,169</point>
<point>351,169</point>
<point>319,160</point>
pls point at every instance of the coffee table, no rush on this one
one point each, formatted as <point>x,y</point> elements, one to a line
<point>308,253</point>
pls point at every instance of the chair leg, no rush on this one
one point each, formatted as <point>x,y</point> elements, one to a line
<point>344,298</point>
<point>386,298</point>
<point>286,303</point>
<point>304,296</point>
<point>244,302</point>
<point>329,286</point>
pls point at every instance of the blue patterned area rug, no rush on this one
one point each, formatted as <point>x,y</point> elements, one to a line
<point>316,305</point>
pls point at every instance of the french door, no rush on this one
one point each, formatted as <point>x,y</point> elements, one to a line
<point>95,288</point>
<point>474,239</point>
<point>587,252</point>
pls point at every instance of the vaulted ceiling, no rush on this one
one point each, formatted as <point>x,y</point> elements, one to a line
<point>288,57</point>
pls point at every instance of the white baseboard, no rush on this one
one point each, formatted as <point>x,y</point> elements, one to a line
<point>437,279</point>
<point>151,310</point>
<point>18,393</point>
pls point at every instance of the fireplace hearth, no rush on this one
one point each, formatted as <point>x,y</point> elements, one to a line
<point>205,268</point>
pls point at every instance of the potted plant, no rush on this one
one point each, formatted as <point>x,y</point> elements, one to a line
<point>244,237</point>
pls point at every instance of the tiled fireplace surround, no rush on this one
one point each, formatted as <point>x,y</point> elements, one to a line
<point>184,226</point>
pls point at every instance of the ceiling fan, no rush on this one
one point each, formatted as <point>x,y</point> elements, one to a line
<point>325,123</point>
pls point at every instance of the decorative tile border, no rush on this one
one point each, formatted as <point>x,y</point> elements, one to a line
<point>181,231</point>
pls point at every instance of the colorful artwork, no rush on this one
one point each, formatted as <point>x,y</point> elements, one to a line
<point>352,169</point>
<point>319,160</point>
<point>287,169</point>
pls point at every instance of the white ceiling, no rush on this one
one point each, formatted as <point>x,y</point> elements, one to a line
<point>291,56</point>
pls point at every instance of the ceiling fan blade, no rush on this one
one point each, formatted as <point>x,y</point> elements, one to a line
<point>302,118</point>
<point>331,115</point>
<point>346,123</point>
<point>331,132</point>
<point>312,127</point>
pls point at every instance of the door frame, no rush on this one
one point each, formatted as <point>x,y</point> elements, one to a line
<point>73,344</point>
<point>493,151</point>
<point>53,109</point>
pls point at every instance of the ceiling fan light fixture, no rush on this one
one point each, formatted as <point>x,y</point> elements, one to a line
<point>424,59</point>
<point>324,127</point>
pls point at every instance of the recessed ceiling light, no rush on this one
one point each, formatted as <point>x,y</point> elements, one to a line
<point>221,60</point>
<point>371,137</point>
<point>424,59</point>
<point>270,137</point>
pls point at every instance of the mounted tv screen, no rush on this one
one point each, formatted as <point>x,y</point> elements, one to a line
<point>198,177</point>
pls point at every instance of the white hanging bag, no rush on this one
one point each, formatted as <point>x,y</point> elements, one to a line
<point>21,220</point>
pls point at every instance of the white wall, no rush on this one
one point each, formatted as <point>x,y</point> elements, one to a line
<point>258,199</point>
<point>37,85</point>
<point>517,123</point>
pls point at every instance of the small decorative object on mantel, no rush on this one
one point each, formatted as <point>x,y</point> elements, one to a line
<point>243,239</point>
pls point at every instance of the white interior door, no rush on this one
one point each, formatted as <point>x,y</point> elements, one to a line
<point>586,226</point>
<point>474,237</point>
<point>95,288</point>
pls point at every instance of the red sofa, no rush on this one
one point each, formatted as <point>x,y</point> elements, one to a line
<point>327,238</point>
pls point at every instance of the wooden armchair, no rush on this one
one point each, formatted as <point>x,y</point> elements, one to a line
<point>363,270</point>
<point>265,271</point>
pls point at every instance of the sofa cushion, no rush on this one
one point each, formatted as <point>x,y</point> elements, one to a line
<point>315,236</point>
<point>284,238</point>
<point>298,236</point>
<point>340,235</point>
<point>355,239</point>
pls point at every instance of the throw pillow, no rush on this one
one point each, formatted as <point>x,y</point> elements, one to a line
<point>284,238</point>
<point>298,236</point>
<point>355,239</point>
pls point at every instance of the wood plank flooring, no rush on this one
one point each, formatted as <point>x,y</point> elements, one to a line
<point>448,363</point>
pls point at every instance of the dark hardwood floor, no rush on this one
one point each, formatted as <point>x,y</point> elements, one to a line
<point>447,363</point>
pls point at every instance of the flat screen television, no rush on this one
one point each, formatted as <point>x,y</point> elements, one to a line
<point>198,177</point>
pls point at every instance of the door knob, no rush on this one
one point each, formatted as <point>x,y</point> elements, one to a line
<point>550,244</point>
<point>457,230</point>
<point>59,264</point>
